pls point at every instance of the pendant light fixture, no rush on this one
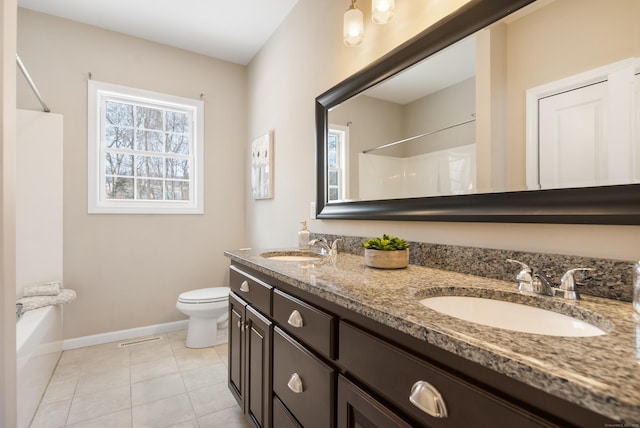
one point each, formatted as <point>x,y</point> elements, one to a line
<point>353,30</point>
<point>382,11</point>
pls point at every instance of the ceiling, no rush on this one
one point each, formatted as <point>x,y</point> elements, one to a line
<point>441,70</point>
<point>231,30</point>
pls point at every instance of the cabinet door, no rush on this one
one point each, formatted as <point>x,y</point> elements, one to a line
<point>357,409</point>
<point>258,397</point>
<point>236,347</point>
<point>282,418</point>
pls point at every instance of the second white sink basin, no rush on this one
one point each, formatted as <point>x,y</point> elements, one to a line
<point>511,316</point>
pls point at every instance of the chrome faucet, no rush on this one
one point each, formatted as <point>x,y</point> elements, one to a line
<point>330,249</point>
<point>532,281</point>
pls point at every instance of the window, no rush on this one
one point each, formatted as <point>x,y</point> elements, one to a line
<point>145,152</point>
<point>337,163</point>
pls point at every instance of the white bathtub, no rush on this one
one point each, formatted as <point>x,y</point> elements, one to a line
<point>39,345</point>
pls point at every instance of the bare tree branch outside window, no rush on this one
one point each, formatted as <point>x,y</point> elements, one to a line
<point>147,152</point>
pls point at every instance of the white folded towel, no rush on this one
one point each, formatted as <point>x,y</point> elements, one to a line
<point>44,289</point>
<point>66,295</point>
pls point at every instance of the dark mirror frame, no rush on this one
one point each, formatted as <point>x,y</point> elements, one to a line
<point>589,205</point>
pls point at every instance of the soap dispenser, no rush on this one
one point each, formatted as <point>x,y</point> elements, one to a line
<point>303,236</point>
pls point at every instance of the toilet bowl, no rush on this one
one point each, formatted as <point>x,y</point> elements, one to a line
<point>207,309</point>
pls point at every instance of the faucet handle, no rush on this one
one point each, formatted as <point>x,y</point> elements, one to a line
<point>525,267</point>
<point>568,283</point>
<point>524,277</point>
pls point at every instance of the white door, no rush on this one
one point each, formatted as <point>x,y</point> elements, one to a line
<point>584,130</point>
<point>573,138</point>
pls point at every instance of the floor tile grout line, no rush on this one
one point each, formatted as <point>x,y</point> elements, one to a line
<point>175,349</point>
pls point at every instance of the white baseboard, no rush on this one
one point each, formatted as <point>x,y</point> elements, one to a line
<point>114,336</point>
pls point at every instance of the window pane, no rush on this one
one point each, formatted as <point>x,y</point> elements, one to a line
<point>118,164</point>
<point>147,166</point>
<point>333,178</point>
<point>178,143</point>
<point>119,188</point>
<point>117,137</point>
<point>177,122</point>
<point>149,189</point>
<point>177,168</point>
<point>333,194</point>
<point>118,113</point>
<point>177,190</point>
<point>149,118</point>
<point>332,151</point>
<point>150,141</point>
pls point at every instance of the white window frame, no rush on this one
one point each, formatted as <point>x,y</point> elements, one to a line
<point>98,94</point>
<point>343,162</point>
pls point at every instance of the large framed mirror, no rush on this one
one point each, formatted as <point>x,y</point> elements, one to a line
<point>474,120</point>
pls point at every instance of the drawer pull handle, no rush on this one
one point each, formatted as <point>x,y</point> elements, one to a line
<point>295,383</point>
<point>428,399</point>
<point>244,286</point>
<point>295,319</point>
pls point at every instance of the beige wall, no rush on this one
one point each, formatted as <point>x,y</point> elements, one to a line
<point>568,37</point>
<point>129,269</point>
<point>8,409</point>
<point>305,58</point>
<point>445,107</point>
<point>372,122</point>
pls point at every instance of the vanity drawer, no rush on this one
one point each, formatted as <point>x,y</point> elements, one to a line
<point>303,382</point>
<point>251,289</point>
<point>308,324</point>
<point>392,373</point>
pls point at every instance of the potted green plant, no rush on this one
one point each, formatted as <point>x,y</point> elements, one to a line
<point>387,252</point>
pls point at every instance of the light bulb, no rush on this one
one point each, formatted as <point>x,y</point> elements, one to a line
<point>353,30</point>
<point>382,11</point>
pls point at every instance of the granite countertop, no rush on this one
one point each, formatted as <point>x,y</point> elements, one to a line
<point>600,373</point>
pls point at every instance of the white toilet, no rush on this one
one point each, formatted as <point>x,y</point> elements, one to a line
<point>207,309</point>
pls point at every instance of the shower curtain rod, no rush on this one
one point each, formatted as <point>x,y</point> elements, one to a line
<point>33,85</point>
<point>418,136</point>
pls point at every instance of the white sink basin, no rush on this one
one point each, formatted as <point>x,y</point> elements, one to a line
<point>292,256</point>
<point>511,316</point>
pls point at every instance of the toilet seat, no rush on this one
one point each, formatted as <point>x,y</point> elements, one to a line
<point>205,295</point>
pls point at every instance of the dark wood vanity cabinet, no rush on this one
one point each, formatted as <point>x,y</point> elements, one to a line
<point>297,360</point>
<point>250,347</point>
<point>250,341</point>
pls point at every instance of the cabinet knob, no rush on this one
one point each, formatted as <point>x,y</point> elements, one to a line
<point>244,286</point>
<point>295,319</point>
<point>295,383</point>
<point>428,399</point>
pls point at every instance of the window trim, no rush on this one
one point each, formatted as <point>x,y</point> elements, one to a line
<point>97,203</point>
<point>343,158</point>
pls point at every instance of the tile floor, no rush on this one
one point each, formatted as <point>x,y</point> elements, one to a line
<point>155,384</point>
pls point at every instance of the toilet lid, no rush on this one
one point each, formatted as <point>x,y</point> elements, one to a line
<point>205,295</point>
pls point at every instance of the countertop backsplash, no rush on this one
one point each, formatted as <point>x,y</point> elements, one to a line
<point>611,279</point>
